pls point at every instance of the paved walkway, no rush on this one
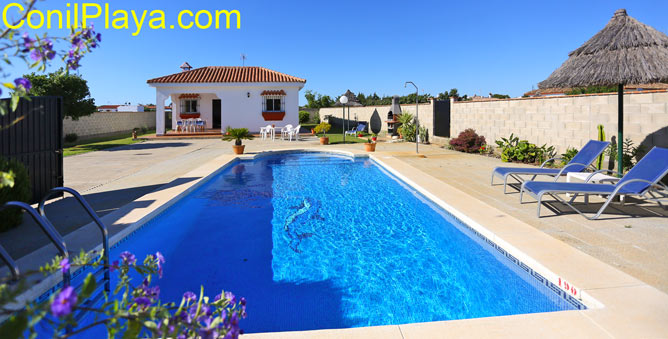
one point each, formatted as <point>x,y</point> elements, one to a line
<point>109,179</point>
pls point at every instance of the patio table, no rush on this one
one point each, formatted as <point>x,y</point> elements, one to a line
<point>598,178</point>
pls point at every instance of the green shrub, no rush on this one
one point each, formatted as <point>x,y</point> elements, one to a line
<point>468,141</point>
<point>20,191</point>
<point>570,154</point>
<point>514,149</point>
<point>323,128</point>
<point>629,155</point>
<point>71,137</point>
<point>304,117</point>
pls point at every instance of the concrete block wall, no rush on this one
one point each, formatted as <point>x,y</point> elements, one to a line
<point>425,114</point>
<point>566,121</point>
<point>108,123</point>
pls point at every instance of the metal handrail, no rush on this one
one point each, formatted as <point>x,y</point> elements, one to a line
<point>98,222</point>
<point>10,262</point>
<point>46,226</point>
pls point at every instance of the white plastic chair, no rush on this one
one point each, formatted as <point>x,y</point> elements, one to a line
<point>180,126</point>
<point>294,133</point>
<point>264,131</point>
<point>285,131</point>
<point>200,124</point>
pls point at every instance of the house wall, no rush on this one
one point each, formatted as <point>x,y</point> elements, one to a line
<point>566,121</point>
<point>237,109</point>
<point>108,123</point>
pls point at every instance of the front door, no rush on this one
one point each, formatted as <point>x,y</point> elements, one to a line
<point>216,113</point>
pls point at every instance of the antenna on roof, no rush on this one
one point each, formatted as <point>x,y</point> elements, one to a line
<point>243,60</point>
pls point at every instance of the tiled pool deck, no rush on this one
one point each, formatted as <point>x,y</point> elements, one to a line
<point>620,304</point>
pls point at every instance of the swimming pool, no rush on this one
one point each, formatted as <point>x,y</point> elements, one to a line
<point>318,241</point>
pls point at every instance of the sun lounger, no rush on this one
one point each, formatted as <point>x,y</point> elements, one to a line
<point>579,163</point>
<point>642,180</point>
<point>359,128</point>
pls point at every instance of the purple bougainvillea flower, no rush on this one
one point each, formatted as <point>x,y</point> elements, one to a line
<point>142,302</point>
<point>99,37</point>
<point>161,260</point>
<point>189,296</point>
<point>35,55</point>
<point>230,296</point>
<point>217,297</point>
<point>63,303</point>
<point>65,265</point>
<point>208,331</point>
<point>114,265</point>
<point>243,301</point>
<point>23,82</point>
<point>128,258</point>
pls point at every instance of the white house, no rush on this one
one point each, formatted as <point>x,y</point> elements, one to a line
<point>249,97</point>
<point>130,108</point>
<point>108,108</point>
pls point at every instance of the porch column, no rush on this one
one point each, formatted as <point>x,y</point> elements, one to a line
<point>176,107</point>
<point>160,99</point>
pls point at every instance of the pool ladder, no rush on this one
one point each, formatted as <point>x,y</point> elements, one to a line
<point>43,222</point>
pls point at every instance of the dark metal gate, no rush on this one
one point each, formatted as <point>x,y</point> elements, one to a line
<point>33,135</point>
<point>442,118</point>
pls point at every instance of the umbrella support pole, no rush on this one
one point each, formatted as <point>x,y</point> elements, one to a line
<point>620,129</point>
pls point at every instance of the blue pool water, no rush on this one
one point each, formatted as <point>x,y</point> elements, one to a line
<point>318,241</point>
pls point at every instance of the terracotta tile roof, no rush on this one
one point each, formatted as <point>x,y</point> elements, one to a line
<point>276,92</point>
<point>220,74</point>
<point>108,106</point>
<point>189,96</point>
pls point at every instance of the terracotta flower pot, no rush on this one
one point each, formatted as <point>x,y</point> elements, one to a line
<point>238,149</point>
<point>312,131</point>
<point>324,140</point>
<point>370,146</point>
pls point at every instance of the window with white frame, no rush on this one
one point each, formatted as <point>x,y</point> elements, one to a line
<point>189,106</point>
<point>273,103</point>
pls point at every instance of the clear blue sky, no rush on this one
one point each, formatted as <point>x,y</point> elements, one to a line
<point>369,46</point>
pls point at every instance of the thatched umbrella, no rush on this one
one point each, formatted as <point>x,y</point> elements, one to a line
<point>624,52</point>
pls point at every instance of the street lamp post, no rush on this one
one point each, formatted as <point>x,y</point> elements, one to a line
<point>344,100</point>
<point>417,121</point>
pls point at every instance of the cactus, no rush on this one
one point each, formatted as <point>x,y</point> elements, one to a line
<point>601,137</point>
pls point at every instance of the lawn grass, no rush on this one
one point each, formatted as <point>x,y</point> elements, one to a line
<point>350,139</point>
<point>93,145</point>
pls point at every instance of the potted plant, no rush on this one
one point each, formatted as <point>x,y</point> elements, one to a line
<point>237,134</point>
<point>323,128</point>
<point>369,145</point>
<point>374,137</point>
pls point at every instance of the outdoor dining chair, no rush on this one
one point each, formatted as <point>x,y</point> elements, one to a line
<point>294,133</point>
<point>266,130</point>
<point>285,130</point>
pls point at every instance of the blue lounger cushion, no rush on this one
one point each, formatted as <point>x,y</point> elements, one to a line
<point>538,187</point>
<point>503,171</point>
